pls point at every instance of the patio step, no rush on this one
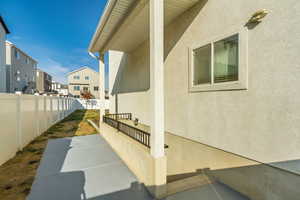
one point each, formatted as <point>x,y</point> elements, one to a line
<point>187,184</point>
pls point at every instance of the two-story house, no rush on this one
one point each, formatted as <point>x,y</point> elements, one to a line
<point>21,69</point>
<point>3,31</point>
<point>83,80</point>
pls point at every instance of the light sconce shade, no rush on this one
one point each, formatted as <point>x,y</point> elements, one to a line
<point>258,16</point>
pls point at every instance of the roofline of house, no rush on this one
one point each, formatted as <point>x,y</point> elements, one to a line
<point>4,25</point>
<point>12,44</point>
<point>107,11</point>
<point>82,68</point>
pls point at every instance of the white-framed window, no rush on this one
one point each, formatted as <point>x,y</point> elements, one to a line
<point>219,63</point>
<point>87,78</point>
<point>27,61</point>
<point>85,89</point>
<point>76,77</point>
<point>77,88</point>
<point>17,54</point>
<point>96,88</point>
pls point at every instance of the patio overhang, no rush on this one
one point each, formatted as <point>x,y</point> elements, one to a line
<point>125,24</point>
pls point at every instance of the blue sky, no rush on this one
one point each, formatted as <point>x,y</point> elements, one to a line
<point>54,32</point>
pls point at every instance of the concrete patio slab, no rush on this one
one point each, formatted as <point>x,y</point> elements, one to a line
<point>215,191</point>
<point>87,168</point>
<point>84,168</point>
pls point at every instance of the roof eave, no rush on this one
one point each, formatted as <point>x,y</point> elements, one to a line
<point>107,11</point>
<point>4,25</point>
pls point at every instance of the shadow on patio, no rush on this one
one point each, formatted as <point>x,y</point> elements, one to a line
<point>82,168</point>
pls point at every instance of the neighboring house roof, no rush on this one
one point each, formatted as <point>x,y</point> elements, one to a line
<point>125,24</point>
<point>82,68</point>
<point>4,25</point>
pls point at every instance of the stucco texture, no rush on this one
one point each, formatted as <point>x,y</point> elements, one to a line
<point>261,122</point>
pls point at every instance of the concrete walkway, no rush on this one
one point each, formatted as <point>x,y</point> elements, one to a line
<point>84,168</point>
<point>87,168</point>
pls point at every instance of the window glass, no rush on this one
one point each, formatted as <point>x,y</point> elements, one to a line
<point>202,65</point>
<point>226,59</point>
<point>17,54</point>
<point>76,88</point>
<point>96,88</point>
<point>87,78</point>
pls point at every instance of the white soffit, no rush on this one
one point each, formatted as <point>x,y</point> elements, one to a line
<point>127,25</point>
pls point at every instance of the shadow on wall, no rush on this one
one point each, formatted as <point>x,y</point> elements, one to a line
<point>134,70</point>
<point>175,30</point>
<point>256,181</point>
<point>132,77</point>
<point>260,181</point>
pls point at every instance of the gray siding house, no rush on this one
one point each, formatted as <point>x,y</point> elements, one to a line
<point>3,80</point>
<point>21,70</point>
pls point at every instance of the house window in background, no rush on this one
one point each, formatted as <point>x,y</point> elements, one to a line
<point>17,54</point>
<point>96,88</point>
<point>87,78</point>
<point>85,88</point>
<point>76,77</point>
<point>77,88</point>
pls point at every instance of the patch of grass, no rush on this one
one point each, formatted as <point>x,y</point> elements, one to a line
<point>75,116</point>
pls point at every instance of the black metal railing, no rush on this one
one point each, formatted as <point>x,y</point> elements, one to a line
<point>135,133</point>
<point>120,116</point>
<point>139,135</point>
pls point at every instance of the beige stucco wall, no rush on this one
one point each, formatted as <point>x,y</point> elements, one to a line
<point>255,180</point>
<point>259,123</point>
<point>91,83</point>
<point>129,78</point>
<point>147,168</point>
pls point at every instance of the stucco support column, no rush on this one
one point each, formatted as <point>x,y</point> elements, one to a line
<point>101,85</point>
<point>157,77</point>
<point>157,139</point>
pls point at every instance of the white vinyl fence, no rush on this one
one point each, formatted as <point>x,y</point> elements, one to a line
<point>93,103</point>
<point>24,117</point>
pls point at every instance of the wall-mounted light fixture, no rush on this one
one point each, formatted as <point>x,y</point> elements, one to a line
<point>258,16</point>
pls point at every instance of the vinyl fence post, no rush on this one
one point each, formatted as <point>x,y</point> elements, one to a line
<point>19,123</point>
<point>36,99</point>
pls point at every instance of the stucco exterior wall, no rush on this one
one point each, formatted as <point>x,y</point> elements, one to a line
<point>2,60</point>
<point>90,84</point>
<point>129,79</point>
<point>261,122</point>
